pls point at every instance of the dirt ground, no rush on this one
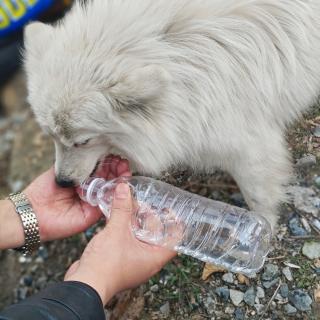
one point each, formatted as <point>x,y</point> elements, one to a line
<point>287,288</point>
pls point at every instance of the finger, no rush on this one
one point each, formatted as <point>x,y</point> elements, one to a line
<point>121,207</point>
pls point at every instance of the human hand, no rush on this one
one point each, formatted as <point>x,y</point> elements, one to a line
<point>60,212</point>
<point>115,259</point>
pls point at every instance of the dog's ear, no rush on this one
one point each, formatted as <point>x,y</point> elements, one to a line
<point>141,86</point>
<point>37,35</point>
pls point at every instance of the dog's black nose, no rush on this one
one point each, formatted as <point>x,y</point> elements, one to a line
<point>64,183</point>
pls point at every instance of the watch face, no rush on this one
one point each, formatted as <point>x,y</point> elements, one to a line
<point>14,14</point>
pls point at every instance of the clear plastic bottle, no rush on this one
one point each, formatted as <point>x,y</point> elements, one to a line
<point>208,230</point>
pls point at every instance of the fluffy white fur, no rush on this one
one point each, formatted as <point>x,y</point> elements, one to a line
<point>204,83</point>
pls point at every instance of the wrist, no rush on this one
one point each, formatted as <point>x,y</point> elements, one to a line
<point>11,228</point>
<point>105,290</point>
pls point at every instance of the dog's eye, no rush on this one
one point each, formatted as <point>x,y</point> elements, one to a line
<point>81,143</point>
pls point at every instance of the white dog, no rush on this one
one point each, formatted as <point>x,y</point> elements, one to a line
<point>203,83</point>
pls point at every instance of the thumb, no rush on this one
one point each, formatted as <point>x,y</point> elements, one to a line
<point>121,206</point>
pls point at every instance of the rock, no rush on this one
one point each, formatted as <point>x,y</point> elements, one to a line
<point>316,132</point>
<point>223,293</point>
<point>296,228</point>
<point>287,273</point>
<point>271,271</point>
<point>311,250</point>
<point>236,297</point>
<point>154,288</point>
<point>269,284</point>
<point>259,307</point>
<point>260,293</point>
<point>228,277</point>
<point>289,309</point>
<point>300,299</point>
<point>284,290</point>
<point>250,296</point>
<point>165,309</point>
<point>307,160</point>
<point>239,314</point>
<point>304,199</point>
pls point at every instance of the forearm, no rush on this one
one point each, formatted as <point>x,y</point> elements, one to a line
<point>11,229</point>
<point>63,301</point>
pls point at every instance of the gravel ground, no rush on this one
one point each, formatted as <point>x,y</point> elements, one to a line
<point>287,288</point>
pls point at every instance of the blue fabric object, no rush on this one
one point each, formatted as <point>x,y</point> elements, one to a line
<point>14,14</point>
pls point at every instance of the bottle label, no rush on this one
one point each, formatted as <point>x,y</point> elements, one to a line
<point>14,14</point>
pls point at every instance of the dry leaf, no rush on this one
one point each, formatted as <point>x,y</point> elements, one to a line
<point>242,279</point>
<point>317,263</point>
<point>209,269</point>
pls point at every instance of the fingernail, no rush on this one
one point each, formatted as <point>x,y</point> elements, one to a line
<point>122,191</point>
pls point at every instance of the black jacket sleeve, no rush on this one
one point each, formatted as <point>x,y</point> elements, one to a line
<point>62,301</point>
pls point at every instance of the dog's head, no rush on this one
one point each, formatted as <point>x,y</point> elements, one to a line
<point>93,105</point>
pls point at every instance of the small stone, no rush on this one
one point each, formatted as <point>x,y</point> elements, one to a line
<point>287,273</point>
<point>289,309</point>
<point>43,252</point>
<point>16,185</point>
<point>236,297</point>
<point>307,161</point>
<point>239,314</point>
<point>296,228</point>
<point>260,293</point>
<point>250,297</point>
<point>229,310</point>
<point>284,290</point>
<point>23,259</point>
<point>300,299</point>
<point>317,182</point>
<point>316,223</point>
<point>165,309</point>
<point>228,277</point>
<point>259,307</point>
<point>27,280</point>
<point>279,298</point>
<point>269,284</point>
<point>311,250</point>
<point>154,288</point>
<point>223,292</point>
<point>316,132</point>
<point>270,272</point>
